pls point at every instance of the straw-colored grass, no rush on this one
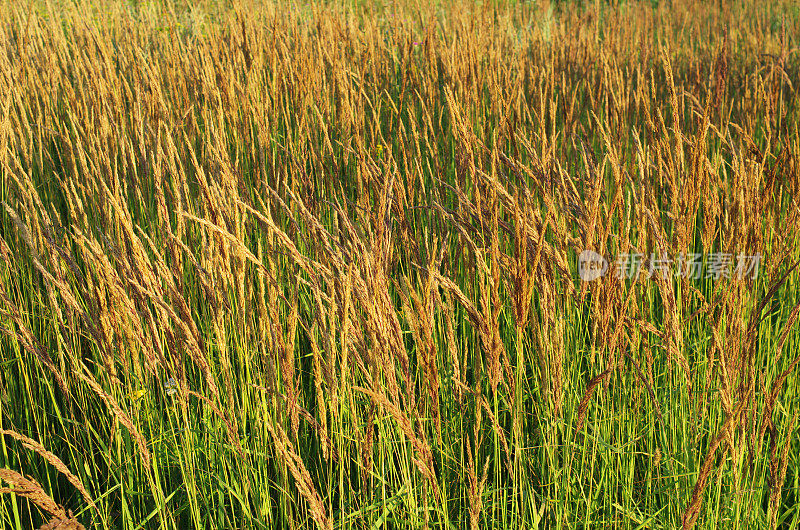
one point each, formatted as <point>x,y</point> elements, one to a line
<point>293,265</point>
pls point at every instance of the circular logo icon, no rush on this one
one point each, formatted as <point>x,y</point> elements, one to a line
<point>591,265</point>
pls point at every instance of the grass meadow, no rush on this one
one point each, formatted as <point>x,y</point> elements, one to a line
<point>298,265</point>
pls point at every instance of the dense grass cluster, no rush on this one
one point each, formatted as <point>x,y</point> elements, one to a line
<point>296,265</point>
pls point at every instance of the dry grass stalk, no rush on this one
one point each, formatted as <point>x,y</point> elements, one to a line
<point>57,523</point>
<point>33,491</point>
<point>424,455</point>
<point>777,471</point>
<point>587,397</point>
<point>119,414</point>
<point>56,462</point>
<point>283,446</point>
<point>692,511</point>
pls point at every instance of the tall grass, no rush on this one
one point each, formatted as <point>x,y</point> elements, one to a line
<point>293,265</point>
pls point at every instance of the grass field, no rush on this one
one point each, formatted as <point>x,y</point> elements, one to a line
<point>294,265</point>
